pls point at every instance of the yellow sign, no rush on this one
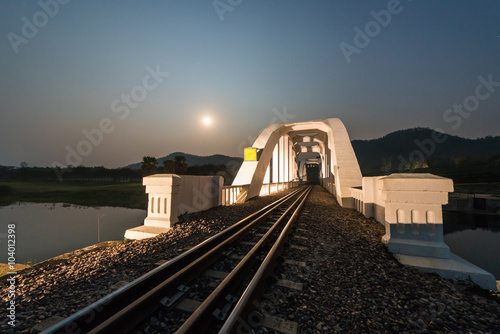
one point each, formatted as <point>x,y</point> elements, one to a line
<point>250,154</point>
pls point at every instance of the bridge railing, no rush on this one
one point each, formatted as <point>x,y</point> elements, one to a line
<point>329,184</point>
<point>357,194</point>
<point>271,188</point>
<point>234,194</point>
<point>238,194</point>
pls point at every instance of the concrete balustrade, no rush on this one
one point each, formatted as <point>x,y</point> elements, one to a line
<point>238,194</point>
<point>271,188</point>
<point>234,194</point>
<point>410,207</point>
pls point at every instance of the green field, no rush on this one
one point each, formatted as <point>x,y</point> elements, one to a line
<point>128,195</point>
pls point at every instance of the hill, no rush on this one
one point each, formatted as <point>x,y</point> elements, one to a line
<point>195,160</point>
<point>425,149</point>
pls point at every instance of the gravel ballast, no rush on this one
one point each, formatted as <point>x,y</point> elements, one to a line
<point>351,283</point>
<point>61,288</point>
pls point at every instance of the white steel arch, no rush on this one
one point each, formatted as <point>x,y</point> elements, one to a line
<point>279,151</point>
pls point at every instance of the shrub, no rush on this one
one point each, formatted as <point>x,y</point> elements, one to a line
<point>6,190</point>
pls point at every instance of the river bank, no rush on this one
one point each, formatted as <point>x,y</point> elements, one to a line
<point>95,194</point>
<point>21,268</point>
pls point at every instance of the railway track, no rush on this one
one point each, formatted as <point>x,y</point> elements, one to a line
<point>216,282</point>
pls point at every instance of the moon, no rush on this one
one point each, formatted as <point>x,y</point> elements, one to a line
<point>207,121</point>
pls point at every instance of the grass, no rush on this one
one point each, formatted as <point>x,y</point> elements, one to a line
<point>128,195</point>
<point>5,268</point>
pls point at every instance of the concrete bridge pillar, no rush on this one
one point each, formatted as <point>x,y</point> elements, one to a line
<point>410,207</point>
<point>413,215</point>
<point>170,196</point>
<point>162,190</point>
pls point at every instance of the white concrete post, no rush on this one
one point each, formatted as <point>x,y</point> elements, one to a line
<point>275,165</point>
<point>281,172</point>
<point>162,190</point>
<point>413,213</point>
<point>291,156</point>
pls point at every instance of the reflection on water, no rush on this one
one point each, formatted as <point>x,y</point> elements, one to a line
<point>47,230</point>
<point>475,238</point>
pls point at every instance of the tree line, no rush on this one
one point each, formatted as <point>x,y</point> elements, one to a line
<point>79,173</point>
<point>149,166</point>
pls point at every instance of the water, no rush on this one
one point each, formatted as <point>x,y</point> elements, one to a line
<point>476,238</point>
<point>47,230</point>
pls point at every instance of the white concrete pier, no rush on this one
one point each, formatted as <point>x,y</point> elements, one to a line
<point>170,195</point>
<point>410,207</point>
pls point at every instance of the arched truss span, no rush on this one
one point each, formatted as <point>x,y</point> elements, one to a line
<point>286,147</point>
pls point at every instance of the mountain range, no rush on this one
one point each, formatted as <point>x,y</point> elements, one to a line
<point>422,148</point>
<point>397,151</point>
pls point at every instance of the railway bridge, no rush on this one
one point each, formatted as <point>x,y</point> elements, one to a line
<point>229,271</point>
<point>286,155</point>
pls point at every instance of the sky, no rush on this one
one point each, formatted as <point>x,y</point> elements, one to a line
<point>104,83</point>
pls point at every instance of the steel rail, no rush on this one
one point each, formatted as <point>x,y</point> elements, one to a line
<point>95,314</point>
<point>132,314</point>
<point>250,295</point>
<point>201,318</point>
